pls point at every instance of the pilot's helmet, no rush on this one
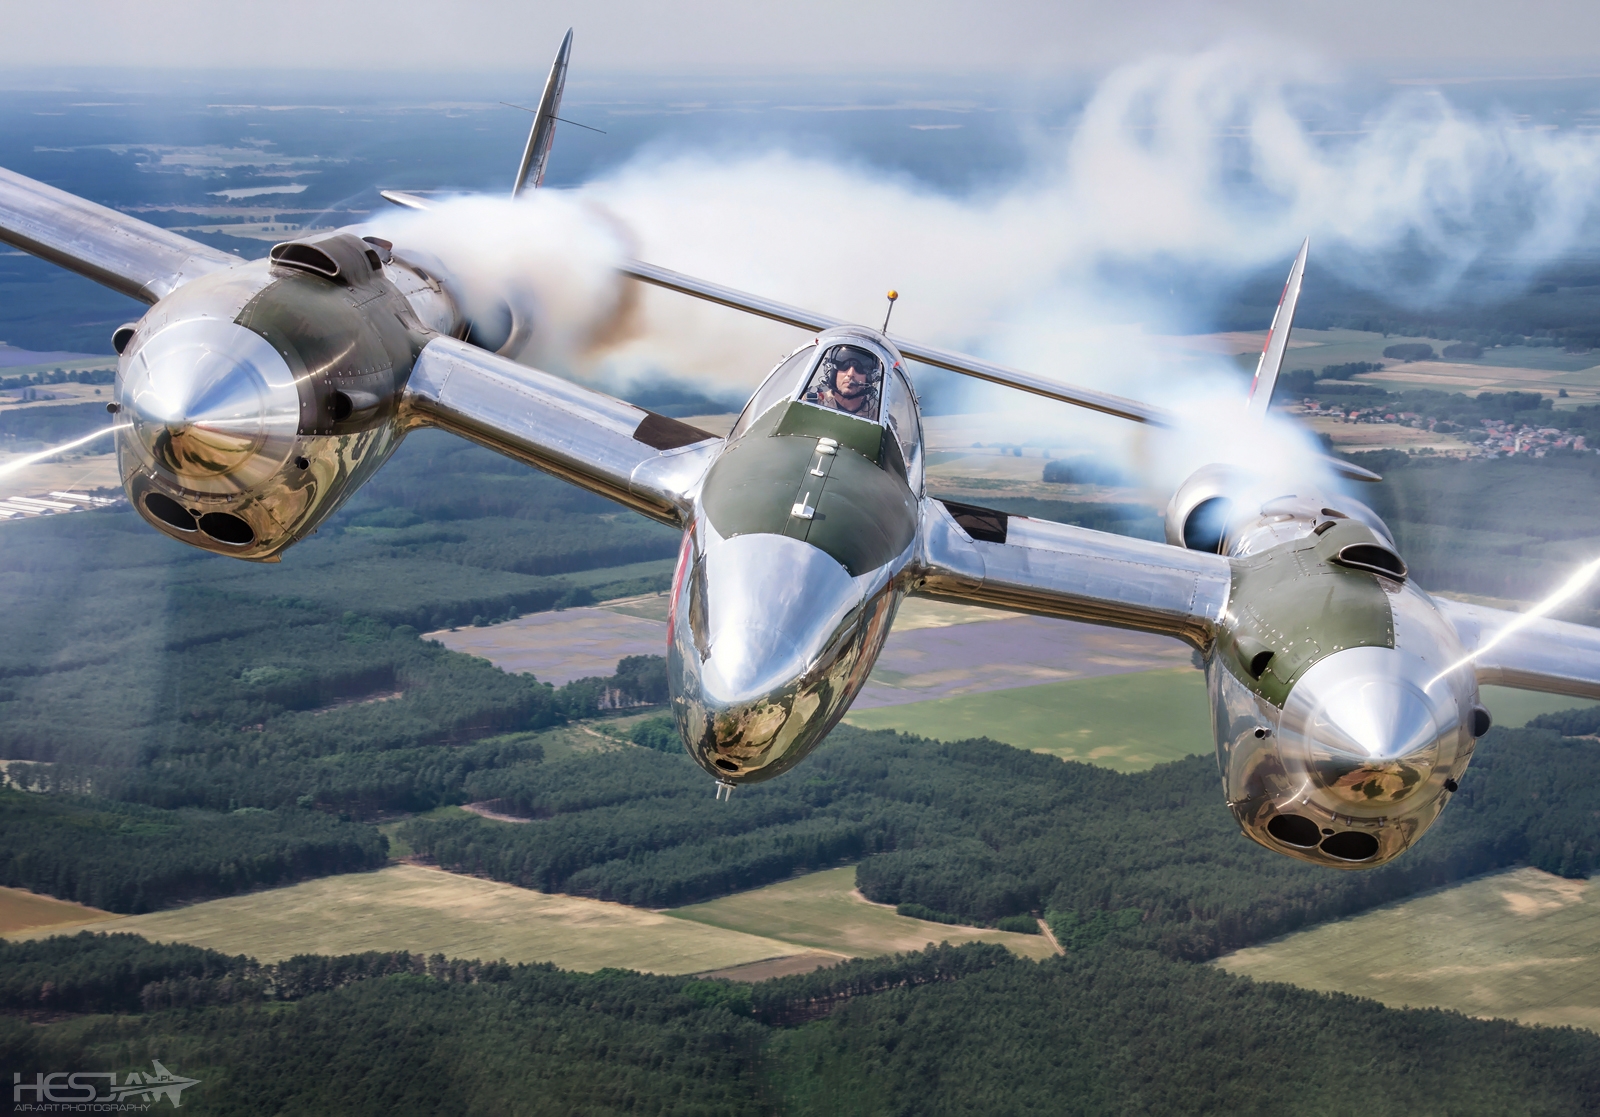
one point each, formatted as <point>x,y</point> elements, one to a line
<point>865,361</point>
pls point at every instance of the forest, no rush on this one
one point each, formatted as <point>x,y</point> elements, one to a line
<point>944,1031</point>
<point>137,662</point>
<point>981,831</point>
<point>128,858</point>
<point>235,727</point>
<point>1494,305</point>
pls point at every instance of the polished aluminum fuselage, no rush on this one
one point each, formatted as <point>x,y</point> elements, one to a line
<point>259,397</point>
<point>800,547</point>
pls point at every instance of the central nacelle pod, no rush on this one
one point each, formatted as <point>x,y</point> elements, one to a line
<point>771,640</point>
<point>795,562</point>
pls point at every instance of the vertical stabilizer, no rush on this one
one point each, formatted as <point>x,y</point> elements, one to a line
<point>543,133</point>
<point>1277,343</point>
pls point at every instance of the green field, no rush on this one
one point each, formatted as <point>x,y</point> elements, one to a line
<point>406,907</point>
<point>426,911</point>
<point>1127,722</point>
<point>824,911</point>
<point>1514,708</point>
<point>1522,945</point>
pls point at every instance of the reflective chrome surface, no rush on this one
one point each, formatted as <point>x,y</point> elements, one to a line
<point>1207,495</point>
<point>212,404</point>
<point>770,641</point>
<point>543,133</point>
<point>1354,768</point>
<point>1062,571</point>
<point>111,248</point>
<point>1363,727</point>
<point>227,448</point>
<point>1533,653</point>
<point>576,433</point>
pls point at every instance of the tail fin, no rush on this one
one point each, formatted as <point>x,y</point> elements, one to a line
<point>1277,343</point>
<point>543,133</point>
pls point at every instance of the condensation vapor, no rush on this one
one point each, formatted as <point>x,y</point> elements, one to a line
<point>1200,163</point>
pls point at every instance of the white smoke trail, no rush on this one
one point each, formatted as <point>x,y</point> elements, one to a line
<point>1188,162</point>
<point>550,258</point>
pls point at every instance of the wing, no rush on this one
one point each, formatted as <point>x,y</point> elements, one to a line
<point>646,461</point>
<point>1119,406</point>
<point>1530,653</point>
<point>985,557</point>
<point>913,350</point>
<point>125,254</point>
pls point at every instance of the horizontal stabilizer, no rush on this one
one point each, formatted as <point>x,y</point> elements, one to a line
<point>1351,471</point>
<point>401,198</point>
<point>111,248</point>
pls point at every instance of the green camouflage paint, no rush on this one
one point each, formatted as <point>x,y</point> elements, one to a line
<point>1297,603</point>
<point>862,514</point>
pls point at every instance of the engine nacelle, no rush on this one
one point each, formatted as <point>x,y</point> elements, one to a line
<point>1198,514</point>
<point>258,399</point>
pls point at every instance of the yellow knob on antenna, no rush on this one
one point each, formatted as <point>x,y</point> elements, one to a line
<point>893,295</point>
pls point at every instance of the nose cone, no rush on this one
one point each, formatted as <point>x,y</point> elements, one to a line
<point>1369,726</point>
<point>212,405</point>
<point>771,641</point>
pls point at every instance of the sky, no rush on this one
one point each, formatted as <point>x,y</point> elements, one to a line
<point>1020,38</point>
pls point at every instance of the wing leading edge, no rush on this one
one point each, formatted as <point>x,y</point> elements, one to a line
<point>1530,653</point>
<point>111,248</point>
<point>645,461</point>
<point>985,557</point>
<point>1110,404</point>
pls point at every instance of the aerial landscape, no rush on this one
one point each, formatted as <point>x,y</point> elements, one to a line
<point>1156,708</point>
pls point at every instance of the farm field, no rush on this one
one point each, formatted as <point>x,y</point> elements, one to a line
<point>21,910</point>
<point>1361,437</point>
<point>793,926</point>
<point>1514,708</point>
<point>1511,368</point>
<point>1128,722</point>
<point>407,907</point>
<point>558,647</point>
<point>824,911</point>
<point>647,606</point>
<point>1522,945</point>
<point>921,663</point>
<point>72,472</point>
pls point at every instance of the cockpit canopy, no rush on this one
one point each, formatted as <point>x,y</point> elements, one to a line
<point>848,378</point>
<point>874,389</point>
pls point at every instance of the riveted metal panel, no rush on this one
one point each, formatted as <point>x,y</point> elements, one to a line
<point>776,481</point>
<point>335,340</point>
<point>1294,602</point>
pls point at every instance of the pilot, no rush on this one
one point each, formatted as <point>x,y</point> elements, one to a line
<point>848,381</point>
